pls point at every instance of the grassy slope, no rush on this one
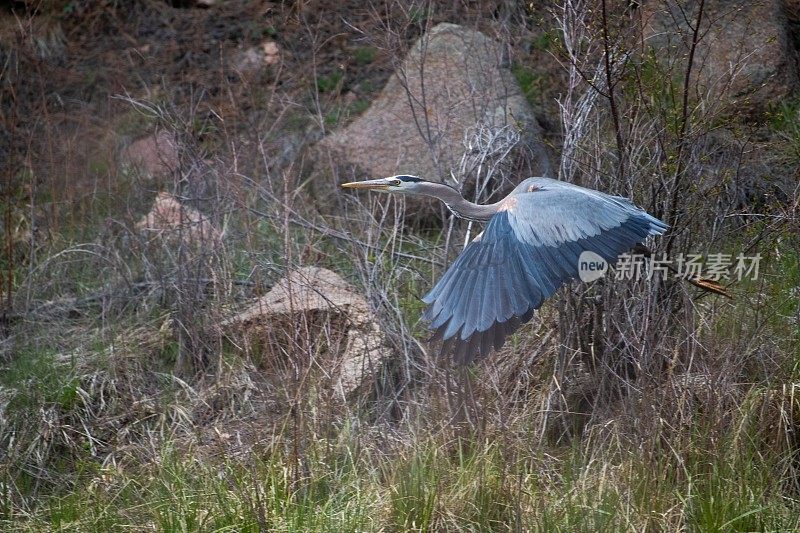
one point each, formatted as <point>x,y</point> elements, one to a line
<point>103,429</point>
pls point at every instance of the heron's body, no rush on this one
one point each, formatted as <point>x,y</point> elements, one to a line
<point>529,248</point>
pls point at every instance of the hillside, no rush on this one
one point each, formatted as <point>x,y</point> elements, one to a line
<point>201,331</point>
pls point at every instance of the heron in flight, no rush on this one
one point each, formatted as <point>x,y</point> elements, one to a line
<point>529,248</point>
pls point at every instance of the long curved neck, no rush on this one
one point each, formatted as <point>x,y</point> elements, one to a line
<point>460,206</point>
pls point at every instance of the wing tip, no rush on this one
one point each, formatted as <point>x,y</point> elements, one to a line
<point>657,227</point>
<point>654,226</point>
<point>478,344</point>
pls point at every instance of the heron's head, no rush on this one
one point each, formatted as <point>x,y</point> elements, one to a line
<point>398,184</point>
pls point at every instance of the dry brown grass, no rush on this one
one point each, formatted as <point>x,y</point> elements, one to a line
<point>623,405</point>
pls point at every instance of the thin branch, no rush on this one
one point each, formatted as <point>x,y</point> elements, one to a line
<point>611,99</point>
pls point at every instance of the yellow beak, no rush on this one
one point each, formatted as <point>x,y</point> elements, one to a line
<point>375,185</point>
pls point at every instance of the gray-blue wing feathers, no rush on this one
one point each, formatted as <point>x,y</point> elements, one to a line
<point>524,255</point>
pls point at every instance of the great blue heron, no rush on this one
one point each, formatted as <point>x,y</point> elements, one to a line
<point>530,247</point>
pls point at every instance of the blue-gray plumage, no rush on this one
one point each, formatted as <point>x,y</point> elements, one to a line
<point>528,250</point>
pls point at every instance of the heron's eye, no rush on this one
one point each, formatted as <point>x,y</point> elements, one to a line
<point>397,183</point>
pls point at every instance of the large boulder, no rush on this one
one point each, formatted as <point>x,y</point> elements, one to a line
<point>453,81</point>
<point>172,224</point>
<point>743,59</point>
<point>311,295</point>
<point>155,155</point>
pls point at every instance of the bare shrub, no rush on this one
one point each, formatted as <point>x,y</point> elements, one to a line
<point>631,336</point>
<point>114,366</point>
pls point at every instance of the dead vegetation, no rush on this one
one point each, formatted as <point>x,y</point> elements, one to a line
<point>162,367</point>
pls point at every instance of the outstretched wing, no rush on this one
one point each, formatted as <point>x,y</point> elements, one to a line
<point>528,250</point>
